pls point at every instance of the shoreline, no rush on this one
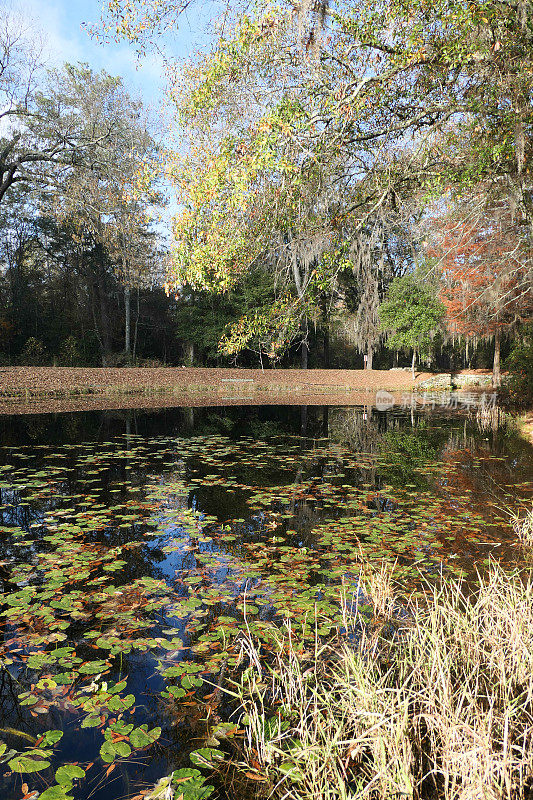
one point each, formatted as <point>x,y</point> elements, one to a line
<point>33,383</point>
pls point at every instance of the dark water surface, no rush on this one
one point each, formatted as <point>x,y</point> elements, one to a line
<point>133,544</point>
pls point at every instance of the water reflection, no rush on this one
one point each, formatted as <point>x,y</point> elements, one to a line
<point>132,543</point>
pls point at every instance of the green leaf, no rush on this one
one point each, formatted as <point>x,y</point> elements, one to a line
<point>120,704</point>
<point>141,737</point>
<point>206,757</point>
<point>69,772</point>
<point>90,722</point>
<point>176,691</point>
<point>191,784</point>
<point>121,728</point>
<point>51,737</point>
<point>107,752</point>
<point>26,764</point>
<point>56,793</point>
<point>122,748</point>
<point>290,769</point>
<point>92,667</point>
<point>118,687</point>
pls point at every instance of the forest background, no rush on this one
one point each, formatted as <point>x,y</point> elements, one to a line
<point>343,181</point>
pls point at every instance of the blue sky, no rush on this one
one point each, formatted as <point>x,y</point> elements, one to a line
<point>61,23</point>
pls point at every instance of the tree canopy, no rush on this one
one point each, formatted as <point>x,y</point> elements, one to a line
<point>327,149</point>
<point>411,315</point>
<point>314,136</point>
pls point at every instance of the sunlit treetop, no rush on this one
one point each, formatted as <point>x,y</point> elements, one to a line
<point>138,21</point>
<point>306,126</point>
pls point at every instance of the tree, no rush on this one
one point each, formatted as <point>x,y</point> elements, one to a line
<point>20,67</point>
<point>484,254</point>
<point>411,315</point>
<point>520,366</point>
<point>246,207</point>
<point>45,129</point>
<point>209,325</point>
<point>109,198</point>
<point>261,184</point>
<point>335,118</point>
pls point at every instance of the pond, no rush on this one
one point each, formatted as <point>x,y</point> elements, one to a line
<point>137,545</point>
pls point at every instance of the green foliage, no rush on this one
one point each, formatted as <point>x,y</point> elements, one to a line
<point>276,132</point>
<point>26,763</point>
<point>411,314</point>
<point>191,784</point>
<point>33,353</point>
<point>206,319</point>
<point>520,366</point>
<point>265,330</point>
<point>207,757</point>
<point>69,354</point>
<point>58,792</point>
<point>68,773</point>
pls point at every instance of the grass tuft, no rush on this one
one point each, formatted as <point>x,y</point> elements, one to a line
<point>438,706</point>
<point>523,526</point>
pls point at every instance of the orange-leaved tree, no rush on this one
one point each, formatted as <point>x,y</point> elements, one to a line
<point>484,253</point>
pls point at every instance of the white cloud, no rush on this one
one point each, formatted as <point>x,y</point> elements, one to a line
<point>65,39</point>
<point>45,22</point>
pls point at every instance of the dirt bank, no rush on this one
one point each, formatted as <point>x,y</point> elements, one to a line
<point>57,381</point>
<point>65,381</point>
<point>39,389</point>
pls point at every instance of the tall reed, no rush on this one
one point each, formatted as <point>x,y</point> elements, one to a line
<point>439,706</point>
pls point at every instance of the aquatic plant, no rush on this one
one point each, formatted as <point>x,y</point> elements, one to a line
<point>134,569</point>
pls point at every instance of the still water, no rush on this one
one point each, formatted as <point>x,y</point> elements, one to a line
<point>137,545</point>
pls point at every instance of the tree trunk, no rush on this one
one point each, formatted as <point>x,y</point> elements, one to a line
<point>304,354</point>
<point>369,359</point>
<point>496,377</point>
<point>188,352</point>
<point>127,320</point>
<point>136,326</point>
<point>325,336</point>
<point>413,362</point>
<point>326,348</point>
<point>105,325</point>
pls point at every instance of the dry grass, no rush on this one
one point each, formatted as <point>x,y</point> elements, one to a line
<point>523,526</point>
<point>442,710</point>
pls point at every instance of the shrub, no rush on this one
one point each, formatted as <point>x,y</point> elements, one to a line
<point>520,367</point>
<point>69,354</point>
<point>33,353</point>
<point>153,363</point>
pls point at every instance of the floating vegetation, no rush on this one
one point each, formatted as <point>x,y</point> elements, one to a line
<point>133,569</point>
